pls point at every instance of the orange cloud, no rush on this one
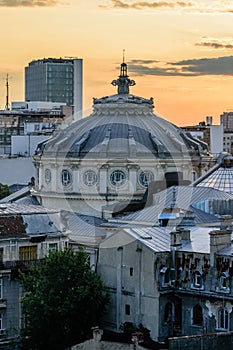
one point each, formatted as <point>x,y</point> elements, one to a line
<point>29,3</point>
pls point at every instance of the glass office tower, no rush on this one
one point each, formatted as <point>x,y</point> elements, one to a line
<point>55,80</point>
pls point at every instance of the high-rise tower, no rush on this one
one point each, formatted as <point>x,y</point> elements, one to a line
<point>55,80</point>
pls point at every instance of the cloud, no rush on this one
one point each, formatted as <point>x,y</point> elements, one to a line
<point>201,6</point>
<point>139,5</point>
<point>29,3</point>
<point>192,67</point>
<point>216,44</point>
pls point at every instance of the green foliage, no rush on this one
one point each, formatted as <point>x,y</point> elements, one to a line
<point>62,300</point>
<point>4,191</point>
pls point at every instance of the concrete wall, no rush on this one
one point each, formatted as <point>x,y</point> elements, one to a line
<point>213,341</point>
<point>216,139</point>
<point>127,270</point>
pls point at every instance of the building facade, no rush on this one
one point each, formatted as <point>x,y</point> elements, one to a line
<point>55,80</point>
<point>27,234</point>
<point>173,282</point>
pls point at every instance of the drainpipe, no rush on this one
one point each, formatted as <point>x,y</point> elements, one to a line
<point>119,286</point>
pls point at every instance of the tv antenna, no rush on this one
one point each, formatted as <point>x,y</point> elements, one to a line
<point>7,106</point>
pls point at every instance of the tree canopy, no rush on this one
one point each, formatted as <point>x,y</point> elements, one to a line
<point>62,300</point>
<point>4,191</point>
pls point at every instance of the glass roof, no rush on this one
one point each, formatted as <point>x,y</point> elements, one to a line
<point>221,179</point>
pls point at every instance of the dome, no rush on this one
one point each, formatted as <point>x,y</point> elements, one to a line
<point>113,154</point>
<point>220,177</point>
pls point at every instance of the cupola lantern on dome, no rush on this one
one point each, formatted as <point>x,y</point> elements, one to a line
<point>123,82</point>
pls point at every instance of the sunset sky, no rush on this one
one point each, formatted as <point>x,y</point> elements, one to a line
<point>178,52</point>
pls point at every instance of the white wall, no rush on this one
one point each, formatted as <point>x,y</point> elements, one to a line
<point>27,144</point>
<point>216,139</point>
<point>16,171</point>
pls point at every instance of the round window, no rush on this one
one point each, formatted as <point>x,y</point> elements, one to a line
<point>66,177</point>
<point>145,177</point>
<point>118,178</point>
<point>47,176</point>
<point>90,178</point>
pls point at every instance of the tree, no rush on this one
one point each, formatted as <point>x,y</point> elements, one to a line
<point>62,300</point>
<point>4,191</point>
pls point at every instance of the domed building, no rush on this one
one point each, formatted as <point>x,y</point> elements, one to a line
<point>112,155</point>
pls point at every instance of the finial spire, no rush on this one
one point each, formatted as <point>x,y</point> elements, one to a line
<point>123,82</point>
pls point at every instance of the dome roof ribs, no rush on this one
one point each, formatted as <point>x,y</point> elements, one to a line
<point>78,146</point>
<point>132,143</point>
<point>160,148</point>
<point>191,142</point>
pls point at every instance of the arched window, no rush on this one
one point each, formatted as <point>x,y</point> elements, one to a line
<point>223,319</point>
<point>197,315</point>
<point>168,313</point>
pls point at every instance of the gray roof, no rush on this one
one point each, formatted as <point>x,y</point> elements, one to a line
<point>29,220</point>
<point>13,208</point>
<point>226,250</point>
<point>157,239</point>
<point>121,126</point>
<point>185,198</point>
<point>16,195</point>
<point>85,226</point>
<point>199,243</point>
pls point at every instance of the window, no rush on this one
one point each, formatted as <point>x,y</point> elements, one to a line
<point>90,178</point>
<point>27,253</point>
<point>131,271</point>
<point>165,276</point>
<point>66,177</point>
<point>1,288</point>
<point>224,283</point>
<point>197,315</point>
<point>168,313</point>
<point>118,178</point>
<point>53,247</point>
<point>197,279</point>
<point>223,319</point>
<point>145,177</point>
<point>127,309</point>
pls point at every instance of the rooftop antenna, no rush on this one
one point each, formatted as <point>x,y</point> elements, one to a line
<point>123,55</point>
<point>7,106</point>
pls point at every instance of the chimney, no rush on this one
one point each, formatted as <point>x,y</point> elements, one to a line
<point>178,236</point>
<point>218,240</point>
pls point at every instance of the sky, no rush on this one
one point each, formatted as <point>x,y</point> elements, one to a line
<point>178,52</point>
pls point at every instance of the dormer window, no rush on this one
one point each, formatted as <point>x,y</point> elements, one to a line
<point>197,280</point>
<point>224,283</point>
<point>165,276</point>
